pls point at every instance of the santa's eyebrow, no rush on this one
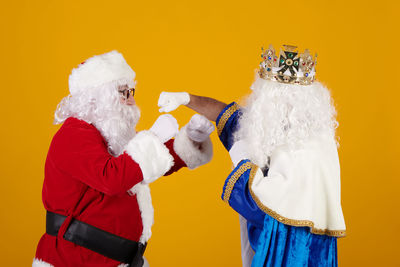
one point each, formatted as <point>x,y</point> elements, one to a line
<point>123,87</point>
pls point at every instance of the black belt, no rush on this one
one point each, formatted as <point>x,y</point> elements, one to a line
<point>97,240</point>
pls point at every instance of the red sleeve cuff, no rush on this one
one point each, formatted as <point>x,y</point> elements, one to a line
<point>178,162</point>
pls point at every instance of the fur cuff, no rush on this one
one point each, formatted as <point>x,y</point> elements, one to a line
<point>151,154</point>
<point>40,263</point>
<point>190,153</point>
<point>143,196</point>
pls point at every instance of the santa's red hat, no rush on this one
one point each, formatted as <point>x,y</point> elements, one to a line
<point>100,70</point>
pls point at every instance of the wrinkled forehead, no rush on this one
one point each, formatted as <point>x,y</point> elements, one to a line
<point>126,84</point>
<point>123,87</point>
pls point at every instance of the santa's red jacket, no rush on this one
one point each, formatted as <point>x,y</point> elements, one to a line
<point>85,182</point>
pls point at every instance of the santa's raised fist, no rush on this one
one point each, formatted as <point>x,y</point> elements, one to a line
<point>171,101</point>
<point>199,128</point>
<point>165,127</point>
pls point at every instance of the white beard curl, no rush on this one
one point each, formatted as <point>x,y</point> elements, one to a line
<point>118,129</point>
<point>101,106</point>
<point>284,114</point>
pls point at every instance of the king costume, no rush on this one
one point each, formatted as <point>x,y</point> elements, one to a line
<point>95,190</point>
<point>287,197</point>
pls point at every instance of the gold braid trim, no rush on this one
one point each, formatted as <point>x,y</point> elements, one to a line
<point>287,221</point>
<point>233,180</point>
<point>224,118</point>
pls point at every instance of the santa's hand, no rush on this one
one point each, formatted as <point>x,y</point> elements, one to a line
<point>238,152</point>
<point>165,127</point>
<point>171,101</point>
<point>199,128</point>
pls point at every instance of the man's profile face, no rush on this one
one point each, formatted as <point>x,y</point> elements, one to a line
<point>126,97</point>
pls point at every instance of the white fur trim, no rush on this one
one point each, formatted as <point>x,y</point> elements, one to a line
<point>40,263</point>
<point>145,263</point>
<point>151,154</point>
<point>99,70</point>
<point>190,153</point>
<point>142,192</point>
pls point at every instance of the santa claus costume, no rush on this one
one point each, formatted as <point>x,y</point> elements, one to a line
<point>97,171</point>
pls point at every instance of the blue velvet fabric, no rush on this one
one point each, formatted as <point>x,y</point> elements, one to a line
<point>275,244</point>
<point>230,127</point>
<point>240,199</point>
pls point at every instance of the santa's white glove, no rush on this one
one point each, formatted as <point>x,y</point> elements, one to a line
<point>238,152</point>
<point>165,127</point>
<point>171,101</point>
<point>199,128</point>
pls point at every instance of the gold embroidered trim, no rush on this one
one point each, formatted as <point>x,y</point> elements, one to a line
<point>287,221</point>
<point>233,180</point>
<point>224,118</point>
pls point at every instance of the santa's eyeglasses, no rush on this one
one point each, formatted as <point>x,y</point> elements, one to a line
<point>127,92</point>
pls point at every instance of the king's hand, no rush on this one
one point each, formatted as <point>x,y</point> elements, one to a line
<point>171,101</point>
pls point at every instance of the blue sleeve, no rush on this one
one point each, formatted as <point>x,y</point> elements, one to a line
<point>236,193</point>
<point>227,124</point>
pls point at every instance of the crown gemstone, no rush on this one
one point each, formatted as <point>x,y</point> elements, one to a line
<point>289,60</point>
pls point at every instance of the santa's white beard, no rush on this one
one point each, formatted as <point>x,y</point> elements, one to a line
<point>283,114</point>
<point>118,127</point>
<point>102,107</point>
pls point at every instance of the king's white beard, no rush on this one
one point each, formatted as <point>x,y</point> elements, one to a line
<point>118,127</point>
<point>280,114</point>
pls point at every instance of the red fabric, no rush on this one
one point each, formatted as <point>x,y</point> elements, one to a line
<point>178,162</point>
<point>83,181</point>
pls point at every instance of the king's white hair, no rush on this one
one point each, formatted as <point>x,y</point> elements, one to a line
<point>284,114</point>
<point>101,107</point>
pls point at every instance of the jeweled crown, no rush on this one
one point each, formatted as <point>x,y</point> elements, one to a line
<point>291,67</point>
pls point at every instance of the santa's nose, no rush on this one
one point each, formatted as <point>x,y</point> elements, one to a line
<point>130,101</point>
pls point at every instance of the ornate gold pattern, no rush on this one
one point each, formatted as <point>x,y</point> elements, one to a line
<point>233,180</point>
<point>287,221</point>
<point>299,67</point>
<point>224,118</point>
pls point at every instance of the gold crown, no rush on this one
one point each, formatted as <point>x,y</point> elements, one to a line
<point>291,67</point>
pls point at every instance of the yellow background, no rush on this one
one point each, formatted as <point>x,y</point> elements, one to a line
<point>209,48</point>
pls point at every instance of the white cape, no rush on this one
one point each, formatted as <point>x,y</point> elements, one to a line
<point>302,187</point>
